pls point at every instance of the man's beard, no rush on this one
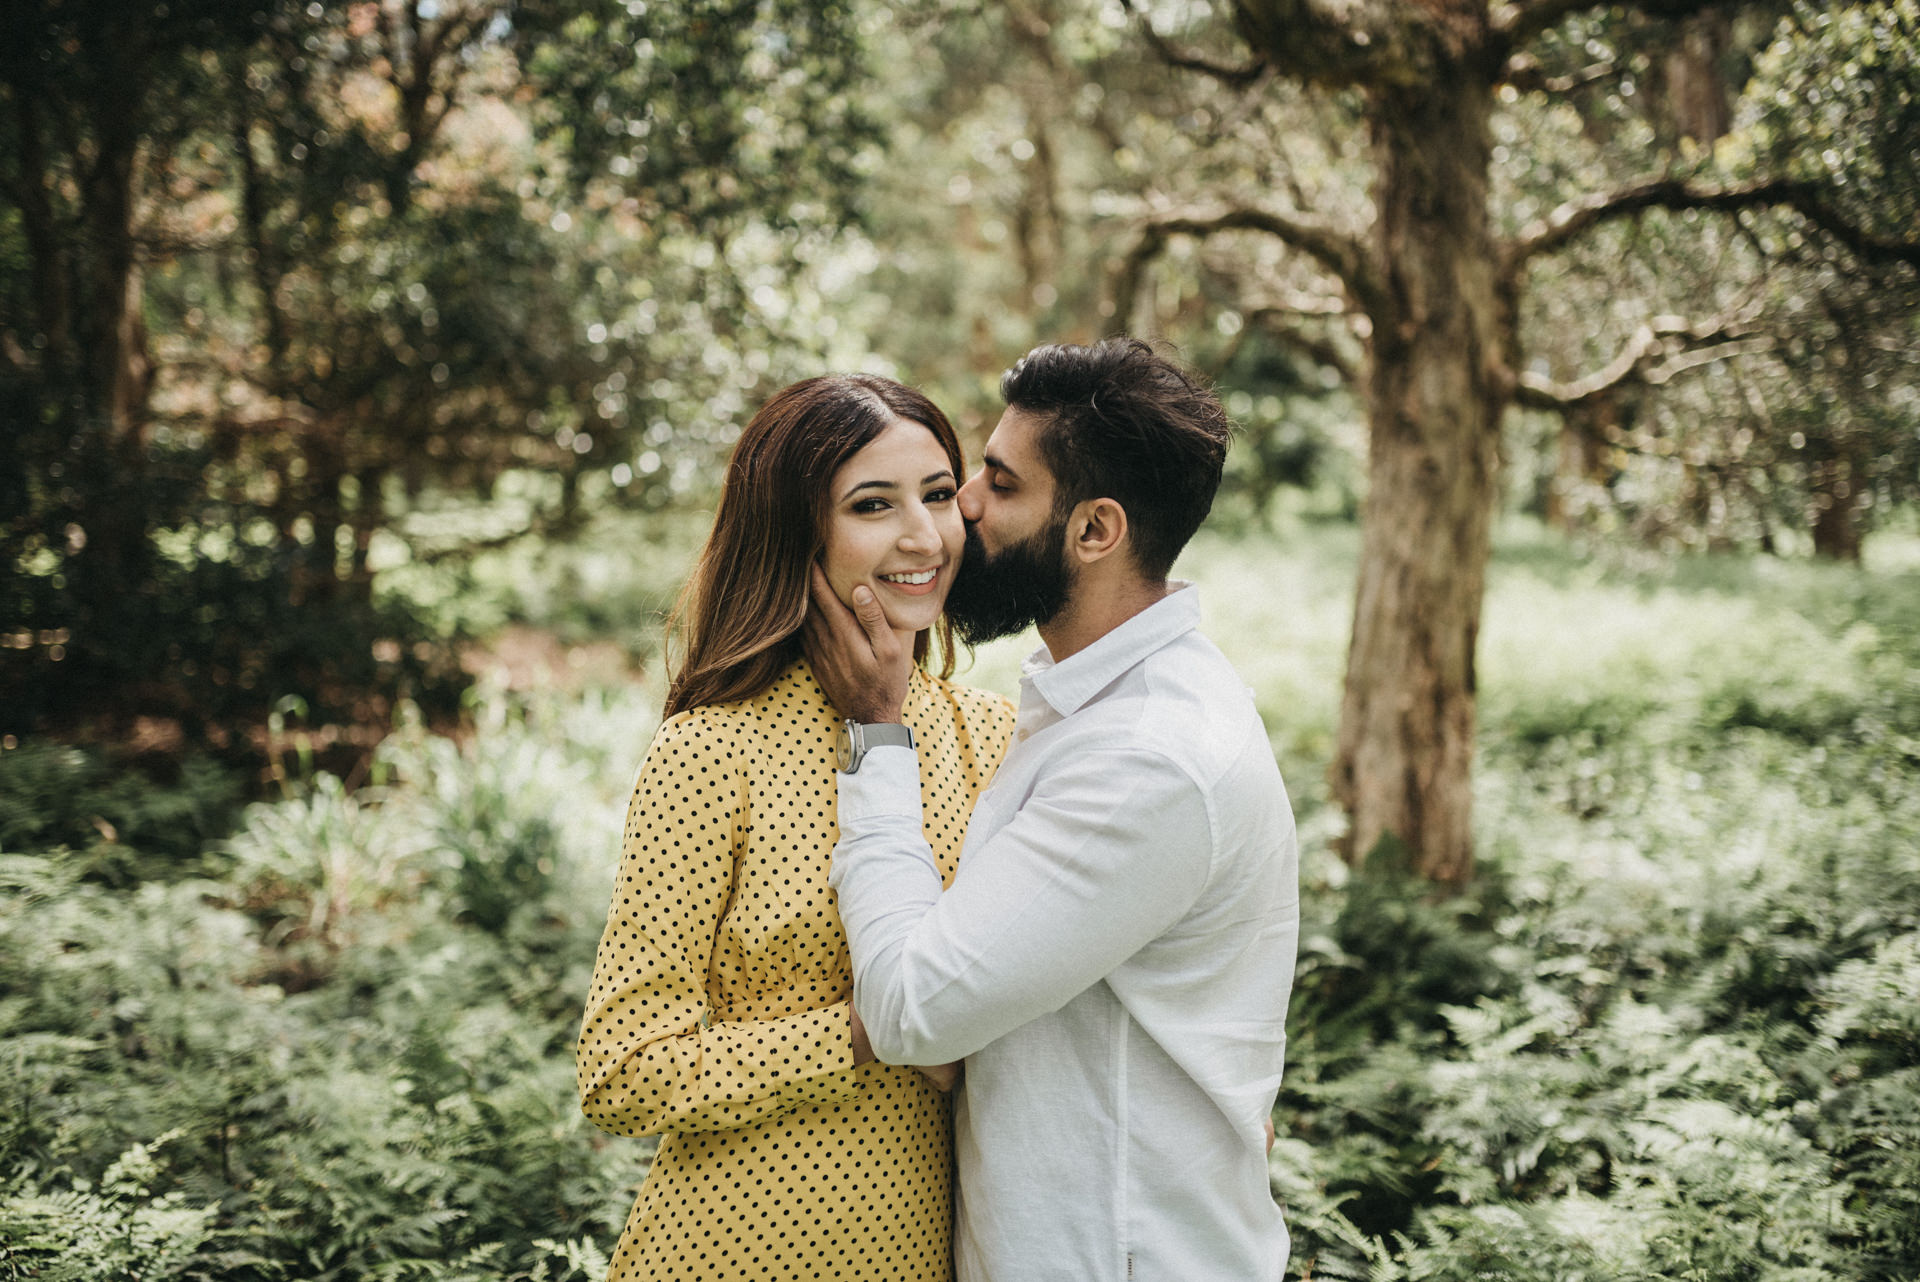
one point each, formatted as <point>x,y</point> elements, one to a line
<point>997,596</point>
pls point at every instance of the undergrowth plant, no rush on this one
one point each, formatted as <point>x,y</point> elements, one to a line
<point>1669,1032</point>
<point>342,1051</point>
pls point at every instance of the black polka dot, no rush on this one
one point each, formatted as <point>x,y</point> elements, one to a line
<point>718,1016</point>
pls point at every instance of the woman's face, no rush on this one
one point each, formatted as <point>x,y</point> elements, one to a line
<point>894,526</point>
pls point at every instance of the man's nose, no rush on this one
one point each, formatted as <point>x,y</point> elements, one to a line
<point>969,496</point>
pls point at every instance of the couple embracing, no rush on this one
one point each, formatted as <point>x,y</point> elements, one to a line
<point>852,892</point>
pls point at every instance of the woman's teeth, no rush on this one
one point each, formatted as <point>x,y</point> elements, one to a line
<point>925,576</point>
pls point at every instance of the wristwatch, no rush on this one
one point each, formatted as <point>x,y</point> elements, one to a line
<point>857,737</point>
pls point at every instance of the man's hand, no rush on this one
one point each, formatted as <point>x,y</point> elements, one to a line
<point>855,655</point>
<point>862,1048</point>
<point>943,1076</point>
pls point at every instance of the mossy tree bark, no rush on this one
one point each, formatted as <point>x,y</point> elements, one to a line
<point>1437,394</point>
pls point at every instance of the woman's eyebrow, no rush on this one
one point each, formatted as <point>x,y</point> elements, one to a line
<point>942,475</point>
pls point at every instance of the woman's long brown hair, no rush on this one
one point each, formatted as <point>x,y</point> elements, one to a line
<point>736,625</point>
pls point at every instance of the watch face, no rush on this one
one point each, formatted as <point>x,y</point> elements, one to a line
<point>843,747</point>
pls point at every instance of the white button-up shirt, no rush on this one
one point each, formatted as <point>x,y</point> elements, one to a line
<point>1113,961</point>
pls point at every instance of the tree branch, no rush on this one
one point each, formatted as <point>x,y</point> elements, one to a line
<point>1339,253</point>
<point>1809,200</point>
<point>1297,303</point>
<point>1656,353</point>
<point>1239,76</point>
<point>1322,350</point>
<point>1524,72</point>
<point>1036,34</point>
<point>1522,20</point>
<point>1340,43</point>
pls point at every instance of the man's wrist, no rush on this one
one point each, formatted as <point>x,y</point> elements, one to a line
<point>857,1032</point>
<point>856,738</point>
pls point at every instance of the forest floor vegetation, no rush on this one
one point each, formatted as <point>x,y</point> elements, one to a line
<point>1668,1032</point>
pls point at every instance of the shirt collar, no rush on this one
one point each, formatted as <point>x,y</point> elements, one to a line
<point>1070,683</point>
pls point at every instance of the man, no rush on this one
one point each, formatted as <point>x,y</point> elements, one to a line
<point>1114,958</point>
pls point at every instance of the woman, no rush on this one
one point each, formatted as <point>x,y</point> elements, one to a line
<point>721,1013</point>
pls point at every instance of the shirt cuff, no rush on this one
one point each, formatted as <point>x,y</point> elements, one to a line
<point>887,783</point>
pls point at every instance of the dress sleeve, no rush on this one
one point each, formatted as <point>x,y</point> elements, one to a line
<point>651,1058</point>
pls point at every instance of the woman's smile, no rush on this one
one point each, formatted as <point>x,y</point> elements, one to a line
<point>912,582</point>
<point>894,525</point>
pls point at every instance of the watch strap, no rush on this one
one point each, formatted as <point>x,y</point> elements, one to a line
<point>857,738</point>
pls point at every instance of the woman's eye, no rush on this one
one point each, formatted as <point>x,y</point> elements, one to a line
<point>865,506</point>
<point>942,495</point>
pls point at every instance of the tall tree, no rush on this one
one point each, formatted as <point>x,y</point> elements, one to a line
<point>280,277</point>
<point>98,96</point>
<point>1435,276</point>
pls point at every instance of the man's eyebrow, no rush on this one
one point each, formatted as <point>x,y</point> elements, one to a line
<point>999,465</point>
<point>944,474</point>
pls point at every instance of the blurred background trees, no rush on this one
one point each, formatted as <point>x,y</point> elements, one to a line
<point>307,304</point>
<point>1582,235</point>
<point>301,292</point>
<point>1491,149</point>
<point>359,359</point>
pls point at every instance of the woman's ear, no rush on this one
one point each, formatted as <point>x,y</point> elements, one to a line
<point>1097,528</point>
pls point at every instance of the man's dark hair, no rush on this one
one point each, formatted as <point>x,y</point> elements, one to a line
<point>1121,422</point>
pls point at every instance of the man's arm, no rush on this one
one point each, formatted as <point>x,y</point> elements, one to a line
<point>1111,849</point>
<point>858,662</point>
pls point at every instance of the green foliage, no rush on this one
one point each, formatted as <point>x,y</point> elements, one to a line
<point>119,1229</point>
<point>52,795</point>
<point>1799,440</point>
<point>338,1065</point>
<point>1667,1034</point>
<point>1670,1033</point>
<point>404,290</point>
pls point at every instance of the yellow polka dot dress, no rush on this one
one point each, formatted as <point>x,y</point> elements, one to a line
<point>719,1011</point>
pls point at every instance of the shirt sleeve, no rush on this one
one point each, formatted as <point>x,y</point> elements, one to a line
<point>651,1058</point>
<point>1110,850</point>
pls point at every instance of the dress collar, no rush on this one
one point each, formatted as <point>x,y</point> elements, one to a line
<point>1070,683</point>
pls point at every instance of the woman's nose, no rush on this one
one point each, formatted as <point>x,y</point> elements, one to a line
<point>921,535</point>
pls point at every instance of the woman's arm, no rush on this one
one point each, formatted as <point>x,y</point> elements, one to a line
<point>650,1057</point>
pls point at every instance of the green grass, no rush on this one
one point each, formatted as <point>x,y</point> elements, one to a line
<point>1668,1032</point>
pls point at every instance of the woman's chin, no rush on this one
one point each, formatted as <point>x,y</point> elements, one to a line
<point>912,625</point>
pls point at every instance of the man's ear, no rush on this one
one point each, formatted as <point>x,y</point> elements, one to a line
<point>1096,530</point>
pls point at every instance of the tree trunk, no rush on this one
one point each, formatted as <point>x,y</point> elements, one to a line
<point>1441,334</point>
<point>1580,460</point>
<point>46,257</point>
<point>1835,536</point>
<point>114,329</point>
<point>1688,82</point>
